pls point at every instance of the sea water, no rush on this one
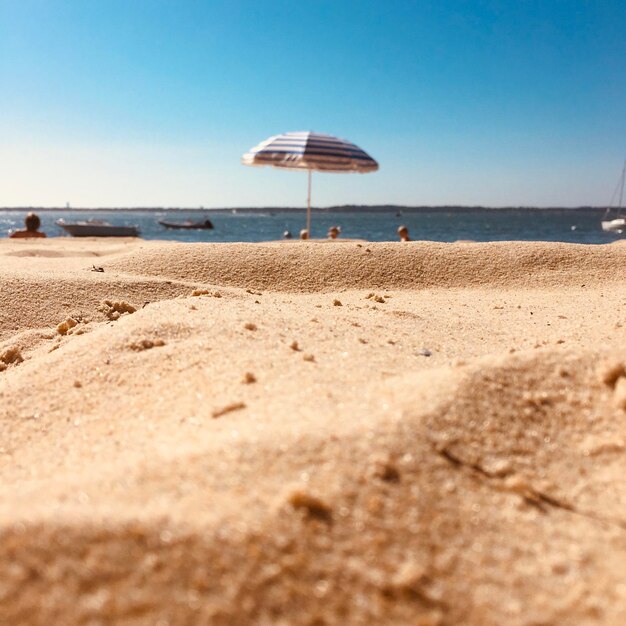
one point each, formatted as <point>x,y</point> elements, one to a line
<point>567,225</point>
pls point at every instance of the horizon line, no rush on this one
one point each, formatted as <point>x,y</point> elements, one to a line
<point>389,207</point>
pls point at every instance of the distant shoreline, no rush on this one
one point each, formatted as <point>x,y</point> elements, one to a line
<point>332,209</point>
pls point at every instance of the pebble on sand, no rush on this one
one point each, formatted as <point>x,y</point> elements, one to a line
<point>64,327</point>
<point>248,378</point>
<point>337,302</point>
<point>385,470</point>
<point>10,356</point>
<point>115,309</point>
<point>310,504</point>
<point>497,467</point>
<point>206,292</point>
<point>375,297</point>
<point>619,394</point>
<point>146,344</point>
<point>610,371</point>
<point>409,576</point>
<point>250,326</point>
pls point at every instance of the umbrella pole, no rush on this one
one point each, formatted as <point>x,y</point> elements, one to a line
<point>308,207</point>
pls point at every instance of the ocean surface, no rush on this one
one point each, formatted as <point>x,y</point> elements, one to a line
<point>567,225</point>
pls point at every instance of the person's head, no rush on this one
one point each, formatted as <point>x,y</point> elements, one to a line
<point>32,222</point>
<point>333,232</point>
<point>287,235</point>
<point>403,233</point>
<point>304,234</point>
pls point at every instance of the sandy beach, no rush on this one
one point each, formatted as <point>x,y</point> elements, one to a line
<point>421,433</point>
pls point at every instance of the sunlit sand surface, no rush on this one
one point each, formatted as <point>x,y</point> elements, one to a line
<point>416,433</point>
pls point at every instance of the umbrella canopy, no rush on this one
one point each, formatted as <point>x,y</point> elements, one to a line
<point>310,151</point>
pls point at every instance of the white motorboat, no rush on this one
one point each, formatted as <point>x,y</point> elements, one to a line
<point>618,223</point>
<point>97,228</point>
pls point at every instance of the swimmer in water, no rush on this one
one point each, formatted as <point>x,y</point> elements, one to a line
<point>334,232</point>
<point>403,233</point>
<point>32,223</point>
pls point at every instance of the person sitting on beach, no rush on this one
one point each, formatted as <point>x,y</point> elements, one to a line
<point>403,233</point>
<point>334,231</point>
<point>304,234</point>
<point>32,223</point>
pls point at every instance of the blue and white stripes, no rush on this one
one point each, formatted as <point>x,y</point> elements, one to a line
<point>310,151</point>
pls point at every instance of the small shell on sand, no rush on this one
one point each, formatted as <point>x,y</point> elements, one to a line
<point>115,309</point>
<point>250,326</point>
<point>65,326</point>
<point>337,302</point>
<point>310,504</point>
<point>229,408</point>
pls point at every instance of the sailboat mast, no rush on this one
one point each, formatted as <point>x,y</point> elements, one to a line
<point>619,190</point>
<point>621,193</point>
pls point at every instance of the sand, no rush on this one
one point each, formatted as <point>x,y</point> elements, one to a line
<point>424,434</point>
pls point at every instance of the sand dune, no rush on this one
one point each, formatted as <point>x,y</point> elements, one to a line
<point>310,267</point>
<point>383,433</point>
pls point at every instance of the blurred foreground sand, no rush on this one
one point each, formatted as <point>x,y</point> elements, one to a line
<point>424,434</point>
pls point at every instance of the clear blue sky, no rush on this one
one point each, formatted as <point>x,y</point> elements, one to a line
<point>152,102</point>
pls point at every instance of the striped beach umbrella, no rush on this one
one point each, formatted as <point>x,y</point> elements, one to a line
<point>310,151</point>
